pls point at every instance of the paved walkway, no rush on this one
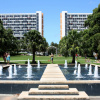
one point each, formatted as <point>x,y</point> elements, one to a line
<point>53,73</point>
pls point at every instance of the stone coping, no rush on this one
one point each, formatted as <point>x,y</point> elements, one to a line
<point>5,65</point>
<point>40,82</point>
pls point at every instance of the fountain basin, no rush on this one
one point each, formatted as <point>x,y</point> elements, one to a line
<point>69,73</point>
<point>22,73</point>
<point>91,87</point>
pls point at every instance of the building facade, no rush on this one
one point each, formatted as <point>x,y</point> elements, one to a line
<point>23,22</point>
<point>69,21</point>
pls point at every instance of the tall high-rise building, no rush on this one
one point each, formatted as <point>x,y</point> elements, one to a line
<point>23,22</point>
<point>69,21</point>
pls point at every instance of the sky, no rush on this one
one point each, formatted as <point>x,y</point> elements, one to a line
<point>51,10</point>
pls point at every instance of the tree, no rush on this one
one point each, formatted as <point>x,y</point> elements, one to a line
<point>7,41</point>
<point>2,37</point>
<point>93,24</point>
<point>96,43</point>
<point>72,44</point>
<point>53,47</point>
<point>93,21</point>
<point>43,47</point>
<point>63,46</point>
<point>33,39</point>
<point>11,41</point>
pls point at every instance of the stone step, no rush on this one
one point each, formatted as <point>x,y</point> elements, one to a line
<point>53,87</point>
<point>36,91</point>
<point>82,96</point>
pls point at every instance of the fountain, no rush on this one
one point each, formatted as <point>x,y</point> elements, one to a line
<point>10,72</point>
<point>19,66</point>
<point>96,72</point>
<point>86,66</point>
<point>1,70</point>
<point>65,64</point>
<point>75,64</point>
<point>15,69</point>
<point>38,64</point>
<point>90,70</point>
<point>79,72</point>
<point>29,70</point>
<point>75,72</point>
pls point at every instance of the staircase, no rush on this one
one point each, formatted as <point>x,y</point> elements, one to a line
<point>51,91</point>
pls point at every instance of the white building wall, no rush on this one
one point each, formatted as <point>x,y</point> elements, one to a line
<point>40,21</point>
<point>63,23</point>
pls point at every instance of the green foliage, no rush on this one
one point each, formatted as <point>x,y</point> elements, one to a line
<point>63,46</point>
<point>93,21</point>
<point>43,47</point>
<point>34,42</point>
<point>96,43</point>
<point>91,37</point>
<point>52,48</point>
<point>7,41</point>
<point>70,44</point>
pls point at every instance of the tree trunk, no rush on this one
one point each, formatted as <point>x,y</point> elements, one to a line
<point>44,53</point>
<point>73,59</point>
<point>33,61</point>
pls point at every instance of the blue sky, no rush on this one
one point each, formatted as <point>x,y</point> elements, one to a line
<point>51,10</point>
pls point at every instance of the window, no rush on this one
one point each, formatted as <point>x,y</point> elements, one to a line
<point>16,21</point>
<point>3,16</point>
<point>84,15</point>
<point>72,15</point>
<point>24,21</point>
<point>30,15</point>
<point>11,15</point>
<point>7,15</point>
<point>76,15</point>
<point>24,15</point>
<point>16,15</point>
<point>80,15</point>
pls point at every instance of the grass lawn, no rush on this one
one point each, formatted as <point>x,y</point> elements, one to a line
<point>20,59</point>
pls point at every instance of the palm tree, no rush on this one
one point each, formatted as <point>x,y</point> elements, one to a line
<point>33,39</point>
<point>73,43</point>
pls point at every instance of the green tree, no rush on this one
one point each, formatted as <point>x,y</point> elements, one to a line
<point>89,36</point>
<point>33,39</point>
<point>2,38</point>
<point>84,43</point>
<point>43,47</point>
<point>63,46</point>
<point>11,41</point>
<point>22,45</point>
<point>53,47</point>
<point>72,44</point>
<point>54,44</point>
<point>7,41</point>
<point>93,21</point>
<point>96,43</point>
